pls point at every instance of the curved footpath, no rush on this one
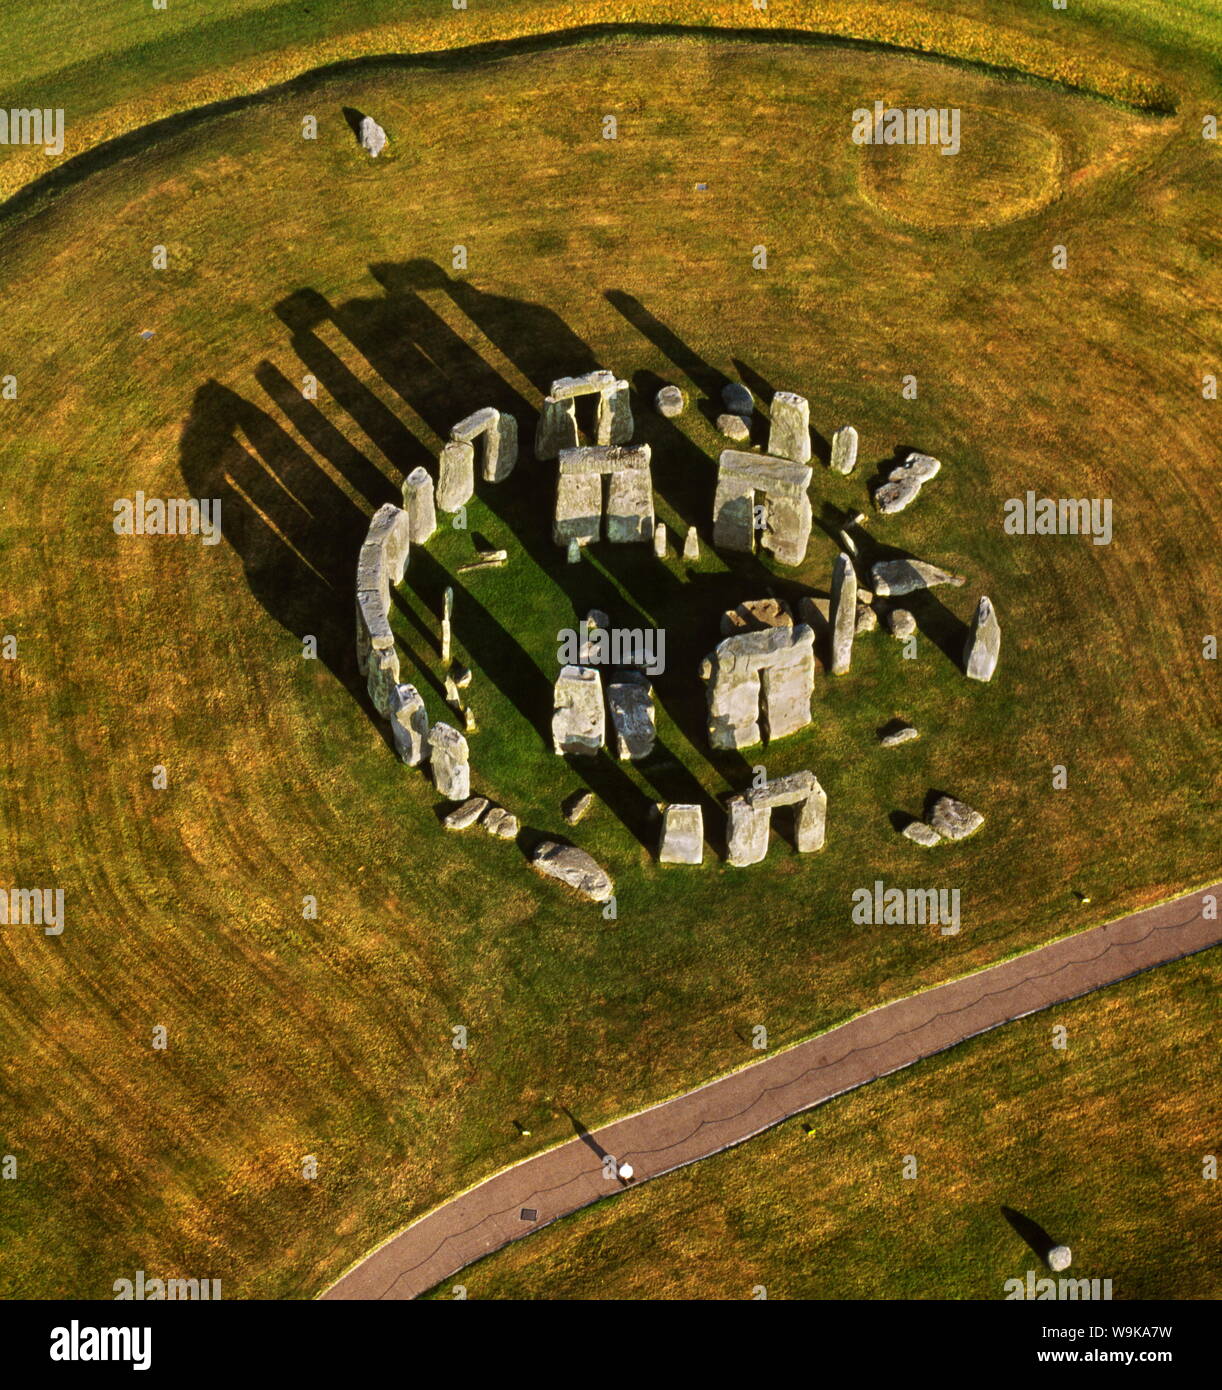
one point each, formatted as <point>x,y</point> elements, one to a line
<point>727,1111</point>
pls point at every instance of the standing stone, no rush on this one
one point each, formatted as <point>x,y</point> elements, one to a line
<point>630,514</point>
<point>670,401</point>
<point>738,400</point>
<point>447,608</point>
<point>734,427</point>
<point>381,678</point>
<point>419,506</point>
<point>613,423</point>
<point>682,838</point>
<point>557,427</point>
<point>1060,1257</point>
<point>893,578</point>
<point>500,449</point>
<point>371,136</point>
<point>632,715</point>
<point>983,643</point>
<point>578,721</point>
<point>409,724</point>
<point>789,436</point>
<point>844,614</point>
<point>659,540</point>
<point>450,762</point>
<point>456,477</point>
<point>574,551</point>
<point>747,832</point>
<point>691,545</point>
<point>844,449</point>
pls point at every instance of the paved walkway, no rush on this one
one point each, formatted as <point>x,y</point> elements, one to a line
<point>725,1112</point>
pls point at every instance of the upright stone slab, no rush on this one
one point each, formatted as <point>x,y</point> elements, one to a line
<point>418,503</point>
<point>578,721</point>
<point>372,136</point>
<point>682,837</point>
<point>557,427</point>
<point>789,435</point>
<point>456,475</point>
<point>500,449</point>
<point>691,546</point>
<point>450,762</point>
<point>579,508</point>
<point>381,678</point>
<point>409,724</point>
<point>632,716</point>
<point>983,643</point>
<point>630,514</point>
<point>787,523</point>
<point>659,540</point>
<point>746,832</point>
<point>734,514</point>
<point>787,686</point>
<point>844,449</point>
<point>844,613</point>
<point>613,423</point>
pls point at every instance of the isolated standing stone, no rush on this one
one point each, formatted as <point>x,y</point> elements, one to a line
<point>574,867</point>
<point>844,614</point>
<point>954,820</point>
<point>670,402</point>
<point>682,838</point>
<point>844,449</point>
<point>738,400</point>
<point>578,721</point>
<point>892,578</point>
<point>789,436</point>
<point>456,476</point>
<point>419,505</point>
<point>372,136</point>
<point>691,545</point>
<point>983,643</point>
<point>409,724</point>
<point>450,762</point>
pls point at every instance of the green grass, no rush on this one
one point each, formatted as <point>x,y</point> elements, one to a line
<point>828,1214</point>
<point>291,1037</point>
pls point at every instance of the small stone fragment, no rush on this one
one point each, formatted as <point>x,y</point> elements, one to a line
<point>901,623</point>
<point>738,400</point>
<point>467,814</point>
<point>734,427</point>
<point>574,552</point>
<point>867,619</point>
<point>691,545</point>
<point>577,806</point>
<point>896,733</point>
<point>574,867</point>
<point>670,401</point>
<point>921,834</point>
<point>954,820</point>
<point>1059,1258</point>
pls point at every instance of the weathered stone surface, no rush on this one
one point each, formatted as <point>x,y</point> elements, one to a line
<point>574,552</point>
<point>578,721</point>
<point>472,426</point>
<point>381,677</point>
<point>682,837</point>
<point>409,724</point>
<point>488,560</point>
<point>844,614</point>
<point>922,466</point>
<point>756,614</point>
<point>456,476</point>
<point>557,428</point>
<point>921,834</point>
<point>1060,1257</point>
<point>954,820</point>
<point>566,387</point>
<point>892,578</point>
<point>897,732</point>
<point>450,762</point>
<point>419,505</point>
<point>746,832</point>
<point>787,523</point>
<point>893,497</point>
<point>381,562</point>
<point>816,613</point>
<point>613,422</point>
<point>632,715</point>
<point>738,400</point>
<point>734,427</point>
<point>867,619</point>
<point>447,631</point>
<point>507,827</point>
<point>789,434</point>
<point>574,867</point>
<point>492,819</point>
<point>577,807</point>
<point>579,507</point>
<point>659,540</point>
<point>670,401</point>
<point>691,545</point>
<point>757,681</point>
<point>983,643</point>
<point>786,506</point>
<point>372,136</point>
<point>500,449</point>
<point>630,515</point>
<point>901,623</point>
<point>467,814</point>
<point>800,789</point>
<point>844,449</point>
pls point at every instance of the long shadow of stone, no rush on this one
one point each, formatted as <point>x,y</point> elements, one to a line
<point>1031,1231</point>
<point>764,390</point>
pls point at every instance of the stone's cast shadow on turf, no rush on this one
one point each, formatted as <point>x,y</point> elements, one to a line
<point>1031,1231</point>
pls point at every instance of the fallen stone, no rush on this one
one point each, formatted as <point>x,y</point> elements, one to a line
<point>867,619</point>
<point>492,819</point>
<point>508,829</point>
<point>682,837</point>
<point>844,613</point>
<point>893,497</point>
<point>844,449</point>
<point>789,434</point>
<point>372,136</point>
<point>670,401</point>
<point>753,615</point>
<point>467,814</point>
<point>734,427</point>
<point>691,546</point>
<point>895,577</point>
<point>897,733</point>
<point>922,466</point>
<point>954,820</point>
<point>901,623</point>
<point>983,643</point>
<point>738,400</point>
<point>450,762</point>
<point>920,833</point>
<point>575,868</point>
<point>577,807</point>
<point>488,560</point>
<point>578,721</point>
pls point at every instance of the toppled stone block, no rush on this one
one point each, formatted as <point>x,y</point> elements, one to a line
<point>954,820</point>
<point>461,817</point>
<point>901,623</point>
<point>578,722</point>
<point>682,838</point>
<point>893,578</point>
<point>983,645</point>
<point>756,614</point>
<point>734,427</point>
<point>450,762</point>
<point>921,834</point>
<point>577,807</point>
<point>575,868</point>
<point>897,732</point>
<point>904,483</point>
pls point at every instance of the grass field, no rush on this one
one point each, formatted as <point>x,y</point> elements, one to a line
<point>827,1214</point>
<point>290,1037</point>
